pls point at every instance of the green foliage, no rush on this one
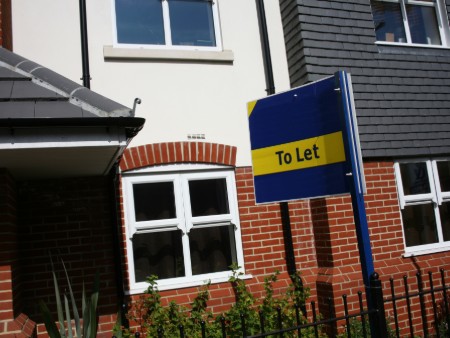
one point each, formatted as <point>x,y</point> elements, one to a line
<point>85,327</point>
<point>356,329</point>
<point>442,324</point>
<point>153,318</point>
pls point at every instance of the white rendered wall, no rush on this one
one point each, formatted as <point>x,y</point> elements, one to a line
<point>178,97</point>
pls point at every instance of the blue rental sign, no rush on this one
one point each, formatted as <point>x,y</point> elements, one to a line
<point>297,143</point>
<point>305,144</point>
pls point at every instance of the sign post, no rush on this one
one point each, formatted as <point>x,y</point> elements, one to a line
<point>356,185</point>
<point>305,144</point>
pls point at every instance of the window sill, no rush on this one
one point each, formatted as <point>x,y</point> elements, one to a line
<point>412,49</point>
<point>425,251</point>
<point>118,53</point>
<point>178,284</point>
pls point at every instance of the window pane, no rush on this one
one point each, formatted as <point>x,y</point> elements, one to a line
<point>388,21</point>
<point>192,23</point>
<point>154,201</point>
<point>444,174</point>
<point>423,25</point>
<point>415,178</point>
<point>211,249</point>
<point>420,224</point>
<point>209,197</point>
<point>158,253</point>
<point>444,213</point>
<point>140,22</point>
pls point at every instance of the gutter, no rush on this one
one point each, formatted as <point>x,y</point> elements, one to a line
<point>132,125</point>
<point>291,264</point>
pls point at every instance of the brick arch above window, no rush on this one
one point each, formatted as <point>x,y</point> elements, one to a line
<point>177,152</point>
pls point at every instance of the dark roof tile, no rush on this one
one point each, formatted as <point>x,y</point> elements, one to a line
<point>14,109</point>
<point>29,90</point>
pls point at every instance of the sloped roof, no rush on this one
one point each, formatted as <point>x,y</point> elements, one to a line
<point>38,92</point>
<point>53,127</point>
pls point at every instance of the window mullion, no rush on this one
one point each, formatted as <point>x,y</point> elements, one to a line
<point>431,179</point>
<point>216,24</point>
<point>405,21</point>
<point>184,188</point>
<point>185,201</point>
<point>437,191</point>
<point>436,183</point>
<point>166,19</point>
<point>439,10</point>
<point>401,195</point>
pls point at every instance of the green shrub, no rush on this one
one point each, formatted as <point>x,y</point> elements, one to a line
<point>153,318</point>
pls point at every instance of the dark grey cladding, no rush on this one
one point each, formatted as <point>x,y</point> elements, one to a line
<point>402,94</point>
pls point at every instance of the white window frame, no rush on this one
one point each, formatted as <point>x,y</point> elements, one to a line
<point>436,197</point>
<point>180,175</point>
<point>442,20</point>
<point>167,32</point>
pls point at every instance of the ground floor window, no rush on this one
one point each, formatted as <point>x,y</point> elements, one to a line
<point>424,194</point>
<point>183,226</point>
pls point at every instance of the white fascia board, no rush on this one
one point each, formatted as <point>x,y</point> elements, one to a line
<point>62,137</point>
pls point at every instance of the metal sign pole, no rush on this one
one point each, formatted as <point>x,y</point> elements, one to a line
<point>357,189</point>
<point>356,178</point>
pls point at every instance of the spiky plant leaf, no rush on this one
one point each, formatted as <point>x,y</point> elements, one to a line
<point>68,319</point>
<point>50,325</point>
<point>59,308</point>
<point>74,305</point>
<point>90,310</point>
<point>86,315</point>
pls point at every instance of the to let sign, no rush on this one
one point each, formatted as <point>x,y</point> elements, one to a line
<point>297,143</point>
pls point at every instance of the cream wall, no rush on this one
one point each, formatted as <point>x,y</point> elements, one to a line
<point>178,97</point>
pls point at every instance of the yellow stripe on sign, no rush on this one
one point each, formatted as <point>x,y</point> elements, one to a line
<point>301,154</point>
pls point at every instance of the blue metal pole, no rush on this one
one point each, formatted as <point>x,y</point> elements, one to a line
<point>357,187</point>
<point>355,179</point>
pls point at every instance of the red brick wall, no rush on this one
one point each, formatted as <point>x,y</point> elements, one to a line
<point>261,228</point>
<point>12,321</point>
<point>323,234</point>
<point>8,248</point>
<point>383,212</point>
<point>72,220</point>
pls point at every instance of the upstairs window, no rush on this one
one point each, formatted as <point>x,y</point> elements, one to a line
<point>176,24</point>
<point>424,194</point>
<point>412,22</point>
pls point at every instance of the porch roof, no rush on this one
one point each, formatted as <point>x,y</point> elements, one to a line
<point>52,127</point>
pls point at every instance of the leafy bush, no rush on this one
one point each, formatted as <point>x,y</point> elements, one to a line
<point>85,327</point>
<point>357,331</point>
<point>153,318</point>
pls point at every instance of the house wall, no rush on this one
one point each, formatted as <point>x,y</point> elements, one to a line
<point>402,102</point>
<point>402,93</point>
<point>261,227</point>
<point>323,234</point>
<point>185,97</point>
<point>68,219</point>
<point>179,97</point>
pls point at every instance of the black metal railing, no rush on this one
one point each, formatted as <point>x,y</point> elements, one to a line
<point>426,311</point>
<point>433,318</point>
